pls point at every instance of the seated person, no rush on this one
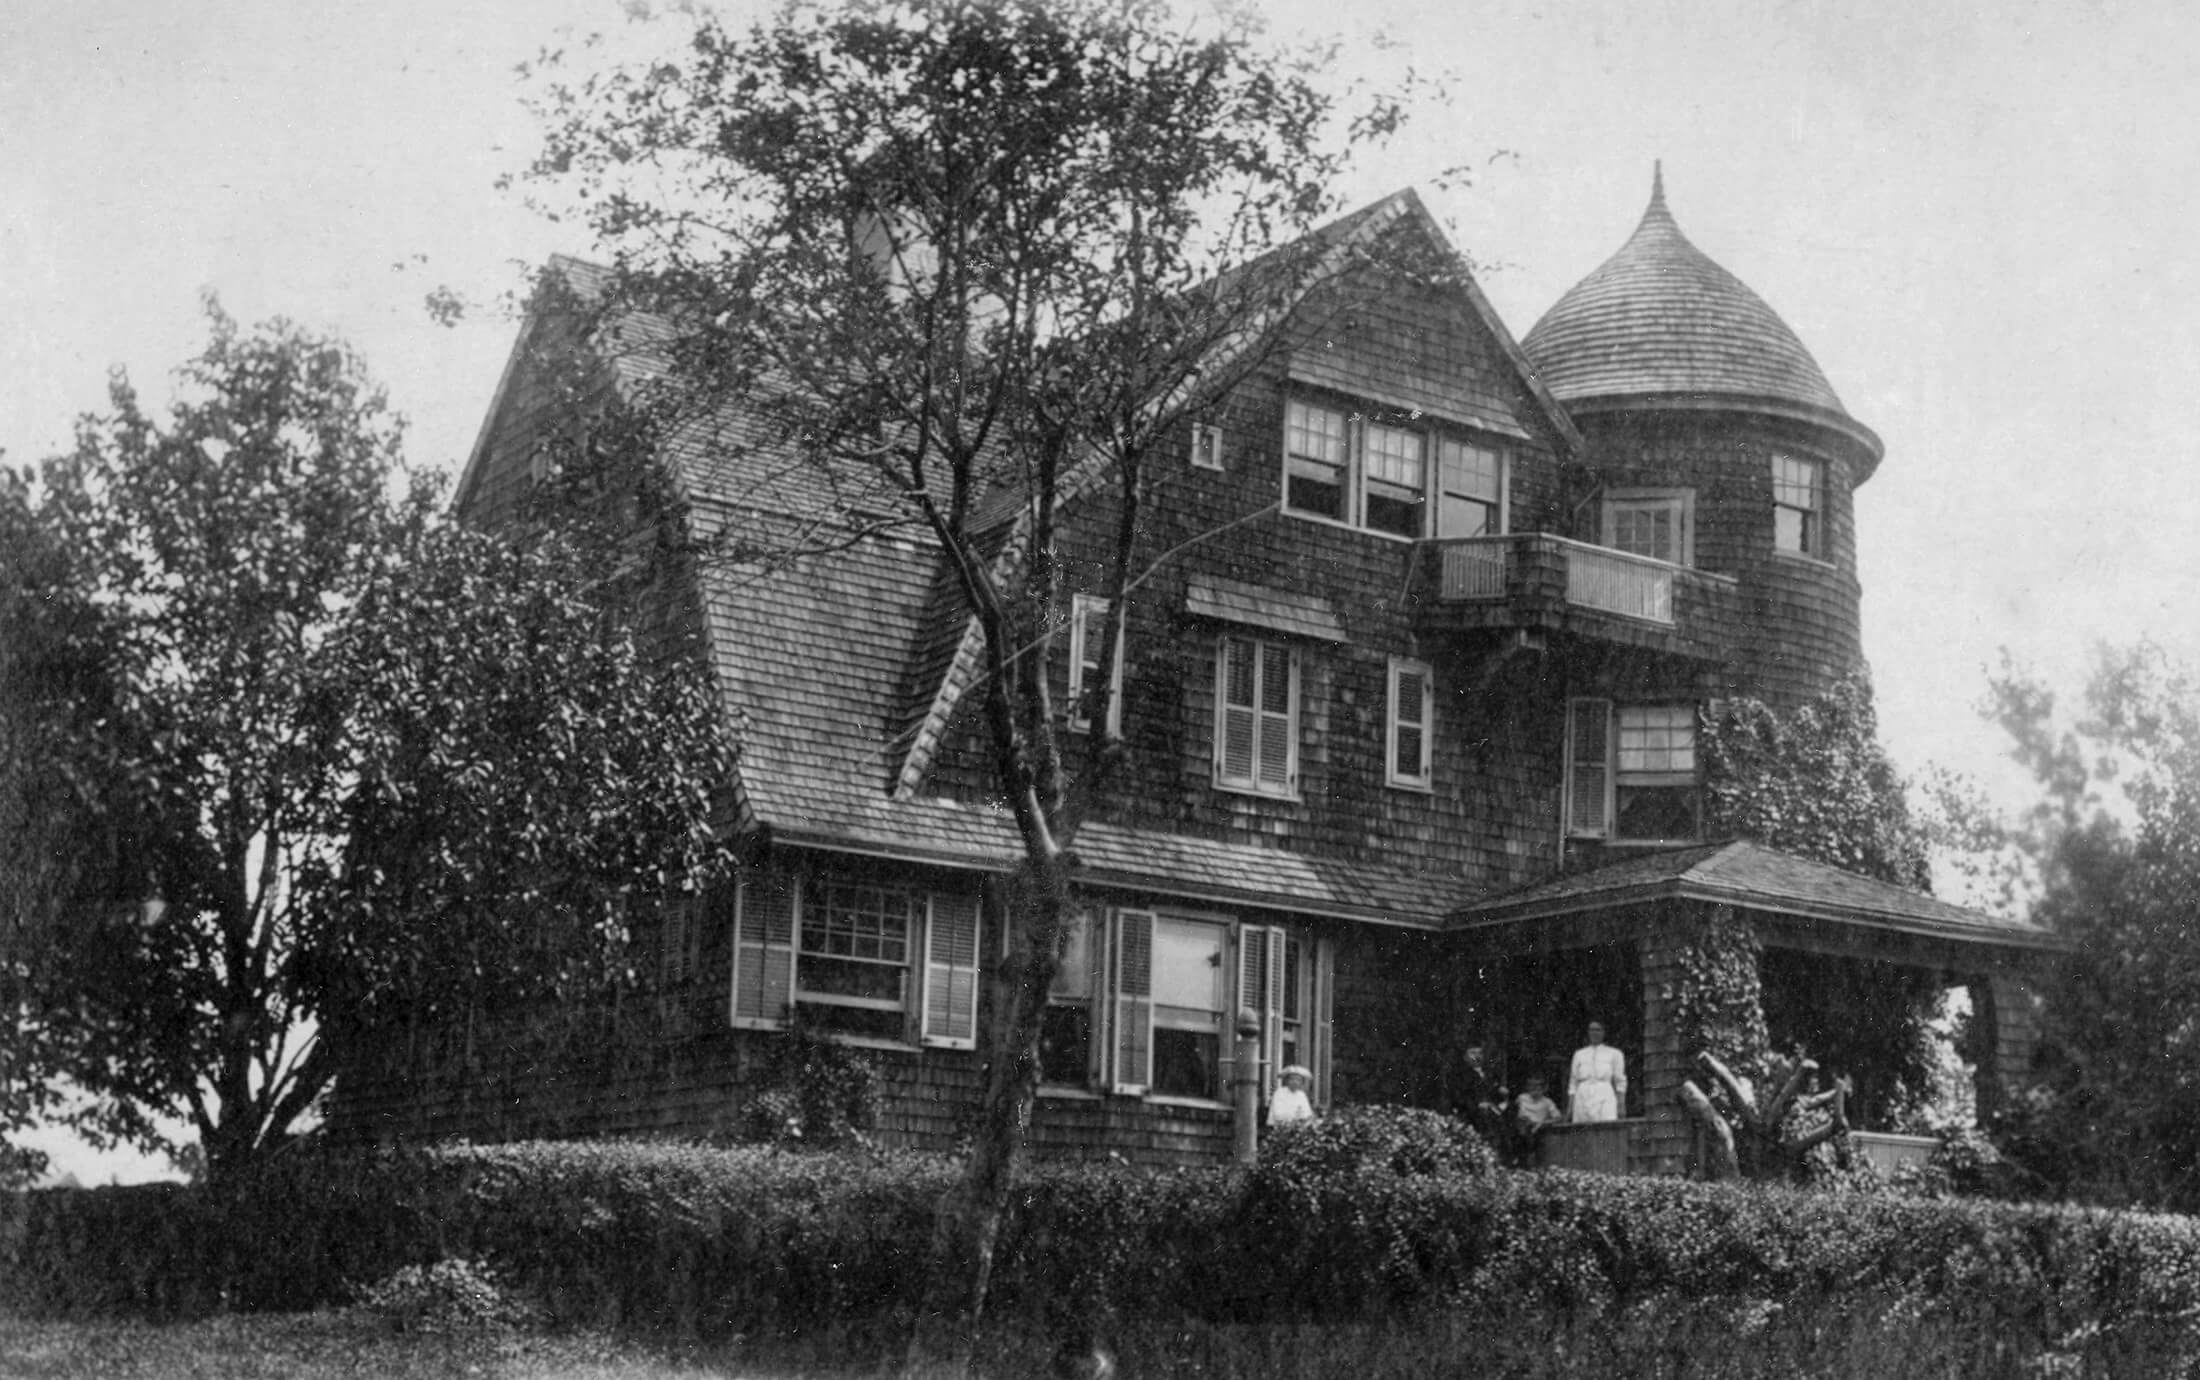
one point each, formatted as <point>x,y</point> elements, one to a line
<point>1289,1104</point>
<point>1532,1111</point>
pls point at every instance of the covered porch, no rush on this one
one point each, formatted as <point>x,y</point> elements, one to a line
<point>1613,944</point>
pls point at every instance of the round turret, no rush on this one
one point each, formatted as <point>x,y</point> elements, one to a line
<point>1710,425</point>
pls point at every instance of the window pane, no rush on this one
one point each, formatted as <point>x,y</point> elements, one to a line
<point>1318,433</point>
<point>1188,974</point>
<point>1789,529</point>
<point>1394,457</point>
<point>1471,471</point>
<point>1467,517</point>
<point>1795,482</point>
<point>1073,978</point>
<point>1656,812</point>
<point>1065,1043</point>
<point>1656,738</point>
<point>848,977</point>
<point>1316,448</point>
<point>1187,1063</point>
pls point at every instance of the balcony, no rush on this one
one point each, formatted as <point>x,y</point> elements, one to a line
<point>1537,582</point>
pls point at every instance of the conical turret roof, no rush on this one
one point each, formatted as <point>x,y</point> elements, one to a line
<point>1660,319</point>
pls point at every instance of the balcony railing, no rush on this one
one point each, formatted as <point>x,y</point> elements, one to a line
<point>1597,577</point>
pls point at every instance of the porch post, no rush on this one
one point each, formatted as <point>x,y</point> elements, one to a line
<point>1664,1144</point>
<point>2002,1002</point>
<point>1245,1081</point>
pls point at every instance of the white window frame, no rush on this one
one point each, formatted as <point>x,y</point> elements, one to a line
<point>1423,777</point>
<point>940,985</point>
<point>1680,502</point>
<point>1810,522</point>
<point>1209,451</point>
<point>1594,780</point>
<point>1258,780</point>
<point>1356,466</point>
<point>1088,613</point>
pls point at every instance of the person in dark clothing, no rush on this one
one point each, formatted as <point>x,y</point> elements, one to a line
<point>1480,1100</point>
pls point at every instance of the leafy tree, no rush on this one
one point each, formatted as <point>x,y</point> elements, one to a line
<point>953,250</point>
<point>327,760</point>
<point>2112,846</point>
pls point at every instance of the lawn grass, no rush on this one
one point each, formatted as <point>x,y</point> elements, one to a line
<point>1677,1343</point>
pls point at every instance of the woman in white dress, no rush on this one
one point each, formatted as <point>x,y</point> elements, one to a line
<point>1598,1084</point>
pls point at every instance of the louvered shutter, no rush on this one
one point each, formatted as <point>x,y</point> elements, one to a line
<point>1278,691</point>
<point>1237,730</point>
<point>1131,984</point>
<point>1588,767</point>
<point>951,972</point>
<point>1409,716</point>
<point>1260,990</point>
<point>1325,982</point>
<point>763,949</point>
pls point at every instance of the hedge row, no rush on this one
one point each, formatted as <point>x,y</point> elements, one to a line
<point>1363,1218</point>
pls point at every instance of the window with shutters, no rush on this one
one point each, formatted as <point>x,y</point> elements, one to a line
<point>883,962</point>
<point>1088,621</point>
<point>1409,741</point>
<point>1143,1004</point>
<point>1631,772</point>
<point>1257,717</point>
<point>1658,523</point>
<point>1798,504</point>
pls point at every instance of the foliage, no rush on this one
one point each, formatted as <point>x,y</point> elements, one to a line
<point>1355,1141</point>
<point>1814,781</point>
<point>961,258</point>
<point>331,759</point>
<point>1718,1006</point>
<point>2113,847</point>
<point>810,1090</point>
<point>448,1295</point>
<point>710,1243</point>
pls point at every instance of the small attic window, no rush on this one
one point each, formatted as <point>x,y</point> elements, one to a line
<point>1207,452</point>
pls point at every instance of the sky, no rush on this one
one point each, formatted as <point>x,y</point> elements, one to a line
<point>1983,220</point>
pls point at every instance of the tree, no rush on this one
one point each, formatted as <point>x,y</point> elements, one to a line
<point>951,253</point>
<point>336,761</point>
<point>2112,850</point>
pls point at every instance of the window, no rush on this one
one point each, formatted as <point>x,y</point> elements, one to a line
<point>1470,489</point>
<point>1377,474</point>
<point>1658,523</point>
<point>1206,446</point>
<point>1316,460</point>
<point>1257,717</point>
<point>887,962</point>
<point>1088,619</point>
<point>1397,479</point>
<point>1067,1054</point>
<point>1407,744</point>
<point>1631,772</point>
<point>1142,1004</point>
<point>1798,502</point>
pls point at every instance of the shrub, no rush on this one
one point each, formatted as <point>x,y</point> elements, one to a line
<point>448,1296</point>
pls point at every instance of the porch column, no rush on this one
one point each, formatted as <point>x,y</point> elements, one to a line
<point>1665,1142</point>
<point>2006,1008</point>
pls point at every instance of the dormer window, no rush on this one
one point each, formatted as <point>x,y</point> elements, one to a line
<point>1798,506</point>
<point>1658,523</point>
<point>1389,474</point>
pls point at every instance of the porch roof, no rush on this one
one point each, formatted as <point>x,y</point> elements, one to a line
<point>1755,877</point>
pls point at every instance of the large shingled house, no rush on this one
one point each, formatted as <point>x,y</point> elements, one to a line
<point>1411,747</point>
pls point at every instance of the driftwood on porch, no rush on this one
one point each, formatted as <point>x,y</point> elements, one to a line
<point>1759,1142</point>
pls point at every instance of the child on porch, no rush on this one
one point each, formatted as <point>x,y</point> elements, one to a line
<point>1532,1111</point>
<point>1290,1106</point>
